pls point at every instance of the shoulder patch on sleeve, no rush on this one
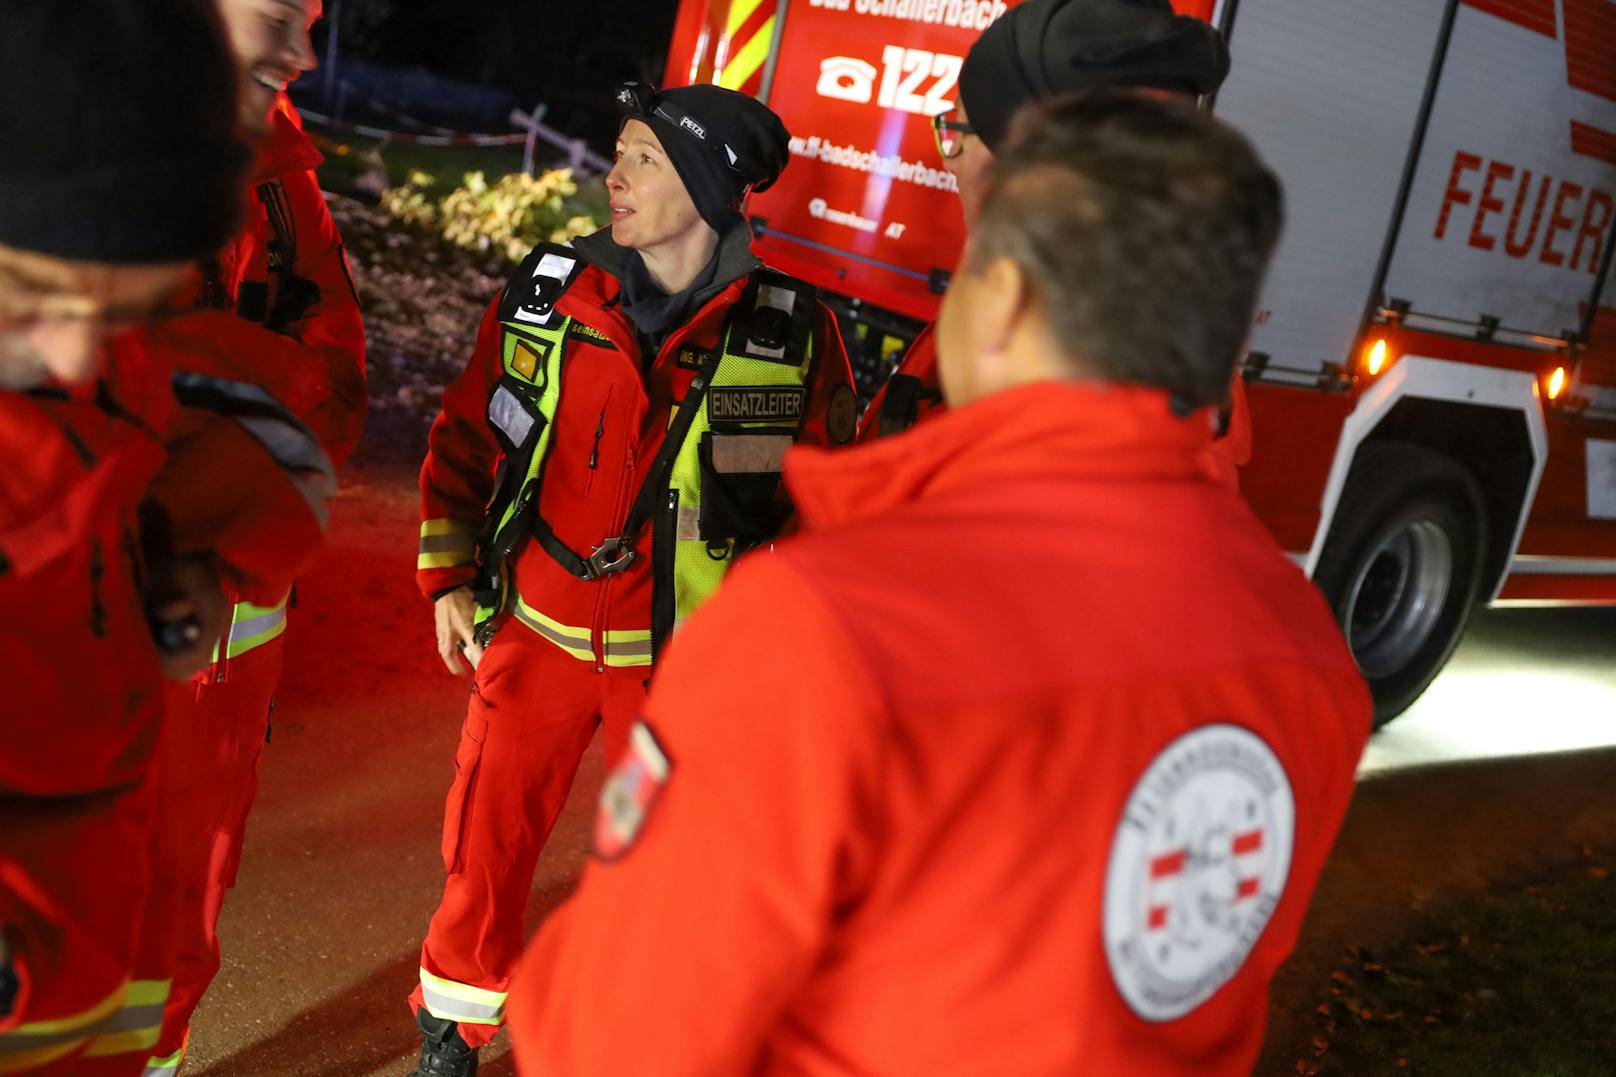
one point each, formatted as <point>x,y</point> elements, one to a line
<point>630,792</point>
<point>1198,865</point>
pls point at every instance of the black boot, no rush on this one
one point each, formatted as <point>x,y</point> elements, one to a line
<point>443,1052</point>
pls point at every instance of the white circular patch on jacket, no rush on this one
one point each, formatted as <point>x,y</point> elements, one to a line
<point>1197,867</point>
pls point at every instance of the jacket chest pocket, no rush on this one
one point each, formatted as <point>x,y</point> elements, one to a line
<point>587,449</point>
<point>740,486</point>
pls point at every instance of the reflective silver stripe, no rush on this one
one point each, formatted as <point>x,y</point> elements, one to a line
<point>453,1009</point>
<point>288,441</point>
<point>448,544</point>
<point>253,626</point>
<point>562,639</point>
<point>1539,565</point>
<point>634,649</point>
<point>125,1020</point>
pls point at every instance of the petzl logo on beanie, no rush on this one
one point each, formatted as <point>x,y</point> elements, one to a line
<point>693,127</point>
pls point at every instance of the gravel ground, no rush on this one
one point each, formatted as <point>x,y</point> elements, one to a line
<point>422,299</point>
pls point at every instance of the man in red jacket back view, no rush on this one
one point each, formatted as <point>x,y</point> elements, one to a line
<point>1030,747</point>
<point>289,321</point>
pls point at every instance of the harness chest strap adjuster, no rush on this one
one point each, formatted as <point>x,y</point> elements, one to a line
<point>611,557</point>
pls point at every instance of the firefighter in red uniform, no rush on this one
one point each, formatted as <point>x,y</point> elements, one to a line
<point>294,327</point>
<point>612,448</point>
<point>129,496</point>
<point>1043,749</point>
<point>1036,51</point>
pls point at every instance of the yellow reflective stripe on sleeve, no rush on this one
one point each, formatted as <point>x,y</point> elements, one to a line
<point>446,544</point>
<point>450,1000</point>
<point>253,626</point>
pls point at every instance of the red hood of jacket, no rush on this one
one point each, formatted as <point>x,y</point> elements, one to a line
<point>1103,430</point>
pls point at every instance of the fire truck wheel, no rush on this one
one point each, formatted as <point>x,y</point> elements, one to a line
<point>1402,565</point>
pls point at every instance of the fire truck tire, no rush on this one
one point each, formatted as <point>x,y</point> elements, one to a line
<point>1401,566</point>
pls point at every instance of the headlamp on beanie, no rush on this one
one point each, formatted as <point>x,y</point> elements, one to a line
<point>723,144</point>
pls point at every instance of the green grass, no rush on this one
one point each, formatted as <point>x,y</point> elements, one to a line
<point>1516,982</point>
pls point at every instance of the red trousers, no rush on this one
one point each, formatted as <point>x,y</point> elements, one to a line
<point>74,879</point>
<point>532,713</point>
<point>212,740</point>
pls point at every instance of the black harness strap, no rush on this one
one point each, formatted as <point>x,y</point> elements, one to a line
<point>615,554</point>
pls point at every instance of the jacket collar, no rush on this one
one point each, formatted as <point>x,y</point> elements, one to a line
<point>1057,429</point>
<point>286,149</point>
<point>735,259</point>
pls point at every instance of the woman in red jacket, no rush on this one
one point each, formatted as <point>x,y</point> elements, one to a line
<point>611,449</point>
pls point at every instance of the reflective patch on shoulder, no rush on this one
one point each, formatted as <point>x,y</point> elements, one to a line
<point>1198,864</point>
<point>508,415</point>
<point>631,790</point>
<point>841,416</point>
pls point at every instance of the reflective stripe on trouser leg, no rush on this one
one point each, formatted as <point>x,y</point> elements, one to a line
<point>162,1067</point>
<point>34,1044</point>
<point>137,1026</point>
<point>128,1020</point>
<point>448,1000</point>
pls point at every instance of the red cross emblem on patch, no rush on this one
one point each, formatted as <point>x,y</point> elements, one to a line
<point>1198,865</point>
<point>629,793</point>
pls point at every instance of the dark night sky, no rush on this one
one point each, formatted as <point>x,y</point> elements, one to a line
<point>569,53</point>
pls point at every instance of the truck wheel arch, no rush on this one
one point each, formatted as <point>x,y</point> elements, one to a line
<point>1488,419</point>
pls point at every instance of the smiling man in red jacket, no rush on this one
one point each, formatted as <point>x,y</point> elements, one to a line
<point>128,498</point>
<point>1030,747</point>
<point>288,320</point>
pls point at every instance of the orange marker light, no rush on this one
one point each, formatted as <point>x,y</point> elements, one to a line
<point>1557,382</point>
<point>1377,358</point>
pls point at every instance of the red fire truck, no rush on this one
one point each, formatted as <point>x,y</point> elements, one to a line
<point>1432,378</point>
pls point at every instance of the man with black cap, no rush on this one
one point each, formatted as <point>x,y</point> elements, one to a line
<point>1038,51</point>
<point>613,446</point>
<point>122,508</point>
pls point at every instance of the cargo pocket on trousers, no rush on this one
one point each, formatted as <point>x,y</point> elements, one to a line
<point>462,794</point>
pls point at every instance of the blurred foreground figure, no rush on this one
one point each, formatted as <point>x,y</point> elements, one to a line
<point>129,497</point>
<point>289,321</point>
<point>1029,750</point>
<point>1037,51</point>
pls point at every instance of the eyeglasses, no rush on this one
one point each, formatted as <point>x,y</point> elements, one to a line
<point>950,136</point>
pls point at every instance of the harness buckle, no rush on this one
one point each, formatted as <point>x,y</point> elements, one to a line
<point>610,557</point>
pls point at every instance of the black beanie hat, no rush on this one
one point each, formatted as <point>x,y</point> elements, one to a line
<point>1046,48</point>
<point>722,143</point>
<point>118,134</point>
